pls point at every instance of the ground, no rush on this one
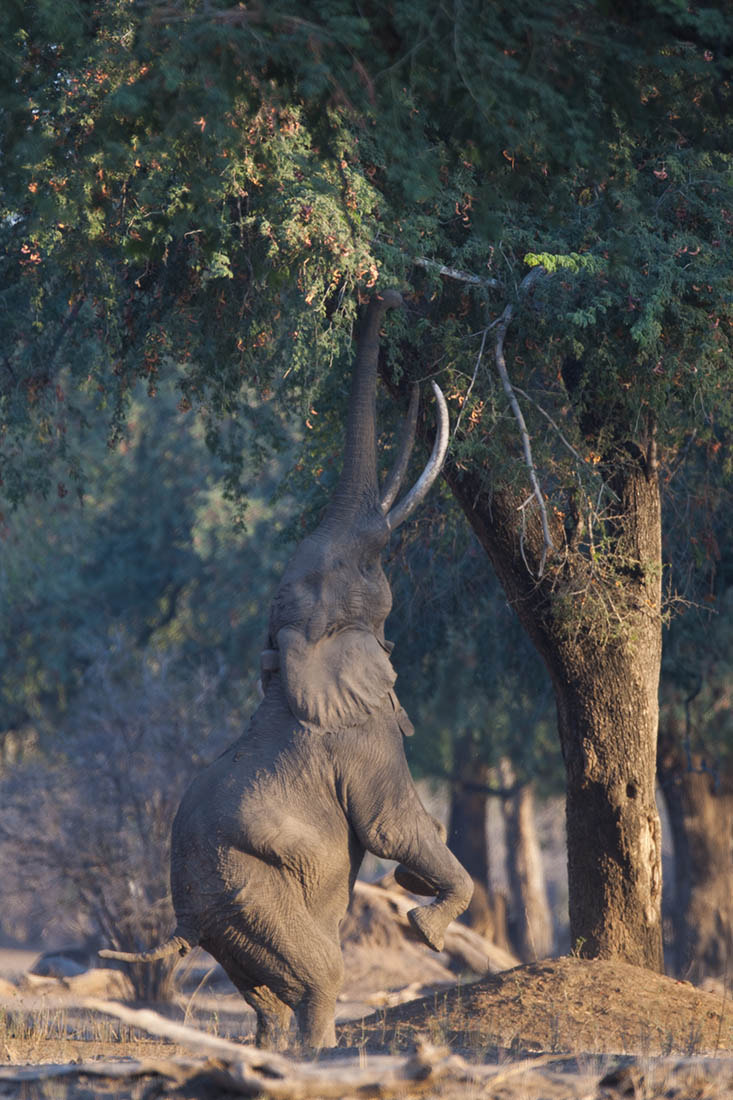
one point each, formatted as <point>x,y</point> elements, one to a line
<point>561,1005</point>
<point>559,1029</point>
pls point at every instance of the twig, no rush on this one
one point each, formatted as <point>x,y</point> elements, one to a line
<point>526,445</point>
<point>549,419</point>
<point>473,377</point>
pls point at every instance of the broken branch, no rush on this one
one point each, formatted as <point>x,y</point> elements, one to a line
<point>454,273</point>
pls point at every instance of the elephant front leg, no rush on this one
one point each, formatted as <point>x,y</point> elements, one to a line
<point>427,866</point>
<point>430,921</point>
<point>405,878</point>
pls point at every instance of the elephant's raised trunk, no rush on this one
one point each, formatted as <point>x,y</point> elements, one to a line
<point>357,491</point>
<point>356,496</point>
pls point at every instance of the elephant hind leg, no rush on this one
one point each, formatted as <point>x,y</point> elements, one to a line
<point>315,1018</point>
<point>323,974</point>
<point>273,1016</point>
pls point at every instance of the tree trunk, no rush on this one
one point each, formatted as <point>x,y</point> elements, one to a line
<point>530,919</point>
<point>487,911</point>
<point>700,812</point>
<point>467,820</point>
<point>595,618</point>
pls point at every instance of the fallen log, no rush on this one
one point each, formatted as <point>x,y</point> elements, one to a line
<point>252,1072</point>
<point>176,1069</point>
<point>462,944</point>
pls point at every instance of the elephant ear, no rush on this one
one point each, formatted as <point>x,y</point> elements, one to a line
<point>336,682</point>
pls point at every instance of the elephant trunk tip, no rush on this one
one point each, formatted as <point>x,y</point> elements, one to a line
<point>391,298</point>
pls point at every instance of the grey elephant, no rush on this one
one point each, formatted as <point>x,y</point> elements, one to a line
<point>269,838</point>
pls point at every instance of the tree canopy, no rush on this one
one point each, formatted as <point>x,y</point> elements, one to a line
<point>199,189</point>
<point>207,192</point>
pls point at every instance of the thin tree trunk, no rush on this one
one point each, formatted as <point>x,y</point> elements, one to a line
<point>487,912</point>
<point>530,919</point>
<point>701,822</point>
<point>467,820</point>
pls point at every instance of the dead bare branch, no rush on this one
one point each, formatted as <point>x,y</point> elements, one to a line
<point>454,273</point>
<point>177,1069</point>
<point>250,1071</point>
<point>475,373</point>
<point>461,942</point>
<point>504,322</point>
<point>549,419</point>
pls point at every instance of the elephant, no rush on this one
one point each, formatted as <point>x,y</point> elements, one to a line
<point>268,839</point>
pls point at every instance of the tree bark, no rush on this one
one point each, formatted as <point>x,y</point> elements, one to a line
<point>700,808</point>
<point>467,820</point>
<point>487,911</point>
<point>595,619</point>
<point>530,919</point>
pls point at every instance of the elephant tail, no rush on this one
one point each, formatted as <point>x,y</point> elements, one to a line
<point>175,943</point>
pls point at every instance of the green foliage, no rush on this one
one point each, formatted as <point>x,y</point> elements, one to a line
<point>573,262</point>
<point>151,561</point>
<point>201,195</point>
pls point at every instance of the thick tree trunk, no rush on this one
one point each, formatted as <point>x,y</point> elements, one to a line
<point>530,919</point>
<point>700,809</point>
<point>607,719</point>
<point>595,618</point>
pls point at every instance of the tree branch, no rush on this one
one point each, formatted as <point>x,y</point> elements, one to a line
<point>504,322</point>
<point>475,372</point>
<point>256,1072</point>
<point>454,273</point>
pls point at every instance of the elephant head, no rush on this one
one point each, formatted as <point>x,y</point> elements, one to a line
<point>326,631</point>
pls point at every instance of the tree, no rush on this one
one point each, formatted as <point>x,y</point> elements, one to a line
<point>150,556</point>
<point>195,190</point>
<point>695,754</point>
<point>132,629</point>
<point>86,824</point>
<point>478,695</point>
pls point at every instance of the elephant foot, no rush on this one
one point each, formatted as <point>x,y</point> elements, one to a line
<point>412,882</point>
<point>429,924</point>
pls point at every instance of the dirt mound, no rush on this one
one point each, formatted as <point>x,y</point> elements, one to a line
<point>560,1005</point>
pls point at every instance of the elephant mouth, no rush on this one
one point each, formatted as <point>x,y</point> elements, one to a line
<point>270,658</point>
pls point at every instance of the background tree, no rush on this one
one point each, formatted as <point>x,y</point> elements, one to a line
<point>204,191</point>
<point>132,627</point>
<point>86,823</point>
<point>479,696</point>
<point>695,756</point>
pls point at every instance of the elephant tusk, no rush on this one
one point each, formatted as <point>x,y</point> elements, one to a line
<point>270,660</point>
<point>420,489</point>
<point>397,473</point>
